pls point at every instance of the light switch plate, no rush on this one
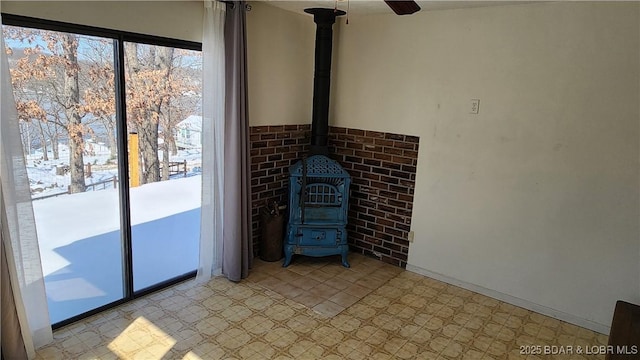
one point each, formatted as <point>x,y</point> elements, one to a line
<point>475,106</point>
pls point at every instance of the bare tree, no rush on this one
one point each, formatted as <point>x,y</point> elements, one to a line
<point>149,85</point>
<point>71,102</point>
<point>50,78</point>
<point>66,94</point>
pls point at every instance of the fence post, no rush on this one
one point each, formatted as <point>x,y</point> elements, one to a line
<point>115,182</point>
<point>185,168</point>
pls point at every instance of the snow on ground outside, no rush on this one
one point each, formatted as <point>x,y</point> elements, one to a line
<point>44,181</point>
<point>80,242</point>
<point>42,174</point>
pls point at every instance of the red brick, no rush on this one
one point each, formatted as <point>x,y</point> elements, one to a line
<point>383,142</point>
<point>397,137</point>
<point>374,134</point>
<point>409,169</point>
<point>382,250</point>
<point>392,231</point>
<point>385,222</point>
<point>387,209</point>
<point>392,246</point>
<point>258,129</point>
<point>390,180</point>
<point>363,245</point>
<point>370,176</point>
<point>399,189</point>
<point>346,137</point>
<point>412,139</point>
<point>373,148</point>
<point>397,255</point>
<point>381,171</point>
<point>362,168</point>
<point>396,203</point>
<point>355,132</point>
<point>403,145</point>
<point>379,185</point>
<point>364,154</point>
<point>402,160</point>
<point>381,156</point>
<point>258,144</point>
<point>410,154</point>
<point>392,151</point>
<point>345,151</point>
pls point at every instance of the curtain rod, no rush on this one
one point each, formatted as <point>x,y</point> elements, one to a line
<point>233,4</point>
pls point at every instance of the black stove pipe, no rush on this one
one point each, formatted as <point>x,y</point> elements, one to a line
<point>324,19</point>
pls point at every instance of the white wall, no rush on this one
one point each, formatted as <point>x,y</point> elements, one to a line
<point>536,198</point>
<point>174,19</point>
<point>280,56</point>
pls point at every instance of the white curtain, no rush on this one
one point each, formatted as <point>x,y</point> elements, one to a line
<point>213,109</point>
<point>18,224</point>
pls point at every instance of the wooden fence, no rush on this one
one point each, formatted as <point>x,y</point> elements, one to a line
<point>174,168</point>
<point>94,186</point>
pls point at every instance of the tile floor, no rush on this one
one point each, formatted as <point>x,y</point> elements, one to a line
<point>323,284</point>
<point>315,309</point>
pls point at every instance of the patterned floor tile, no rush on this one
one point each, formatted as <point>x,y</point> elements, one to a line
<point>316,309</point>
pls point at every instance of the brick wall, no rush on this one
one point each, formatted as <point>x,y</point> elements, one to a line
<point>273,150</point>
<point>383,173</point>
<point>383,170</point>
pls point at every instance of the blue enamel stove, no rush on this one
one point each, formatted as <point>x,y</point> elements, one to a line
<point>318,205</point>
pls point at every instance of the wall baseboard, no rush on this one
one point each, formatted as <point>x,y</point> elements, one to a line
<point>572,319</point>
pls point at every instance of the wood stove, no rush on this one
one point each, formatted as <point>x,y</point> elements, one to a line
<point>319,186</point>
<point>319,201</point>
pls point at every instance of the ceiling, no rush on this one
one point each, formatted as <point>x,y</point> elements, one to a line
<point>363,7</point>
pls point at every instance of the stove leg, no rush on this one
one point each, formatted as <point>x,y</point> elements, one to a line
<point>345,263</point>
<point>287,259</point>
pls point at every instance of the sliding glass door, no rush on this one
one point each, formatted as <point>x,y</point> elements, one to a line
<point>64,92</point>
<point>164,123</point>
<point>110,128</point>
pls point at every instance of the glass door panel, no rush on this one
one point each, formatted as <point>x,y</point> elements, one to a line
<point>163,118</point>
<point>64,92</point>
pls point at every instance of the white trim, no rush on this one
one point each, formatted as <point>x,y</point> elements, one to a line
<point>572,319</point>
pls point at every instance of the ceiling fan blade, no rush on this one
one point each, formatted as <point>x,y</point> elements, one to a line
<point>403,7</point>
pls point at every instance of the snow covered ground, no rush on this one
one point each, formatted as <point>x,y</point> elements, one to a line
<point>42,174</point>
<point>80,242</point>
<point>45,182</point>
